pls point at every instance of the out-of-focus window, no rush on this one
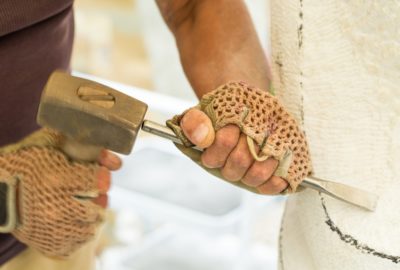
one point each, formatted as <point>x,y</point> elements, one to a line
<point>127,41</point>
<point>109,42</point>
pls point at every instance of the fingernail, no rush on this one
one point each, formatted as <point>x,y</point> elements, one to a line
<point>200,133</point>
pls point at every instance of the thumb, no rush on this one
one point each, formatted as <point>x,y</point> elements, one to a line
<point>198,128</point>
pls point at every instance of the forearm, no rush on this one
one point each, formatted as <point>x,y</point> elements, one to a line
<point>217,42</point>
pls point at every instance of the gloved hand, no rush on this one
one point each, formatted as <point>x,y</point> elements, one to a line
<point>257,145</point>
<point>59,202</point>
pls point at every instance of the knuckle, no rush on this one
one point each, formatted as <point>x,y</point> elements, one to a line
<point>275,183</point>
<point>265,191</point>
<point>239,159</point>
<point>226,141</point>
<point>265,173</point>
<point>211,161</point>
<point>259,173</point>
<point>228,175</point>
<point>250,181</point>
<point>278,184</point>
<point>227,136</point>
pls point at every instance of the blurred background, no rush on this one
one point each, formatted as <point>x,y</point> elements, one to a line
<point>166,213</point>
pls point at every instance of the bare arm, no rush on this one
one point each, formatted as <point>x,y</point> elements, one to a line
<point>217,42</point>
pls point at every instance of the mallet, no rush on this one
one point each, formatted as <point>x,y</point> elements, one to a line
<point>90,115</point>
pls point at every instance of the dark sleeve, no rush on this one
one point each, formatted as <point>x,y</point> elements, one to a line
<point>3,192</point>
<point>29,51</point>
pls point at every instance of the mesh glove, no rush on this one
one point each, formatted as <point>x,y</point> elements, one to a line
<point>266,123</point>
<point>54,215</point>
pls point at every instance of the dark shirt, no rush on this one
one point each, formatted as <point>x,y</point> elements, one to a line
<point>35,38</point>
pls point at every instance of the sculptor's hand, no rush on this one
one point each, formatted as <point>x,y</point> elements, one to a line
<point>278,143</point>
<point>217,43</point>
<point>60,202</point>
<point>227,150</point>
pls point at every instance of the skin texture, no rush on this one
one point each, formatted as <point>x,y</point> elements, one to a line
<point>109,162</point>
<point>217,43</point>
<point>202,133</point>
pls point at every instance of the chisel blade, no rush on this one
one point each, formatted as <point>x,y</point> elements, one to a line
<point>358,197</point>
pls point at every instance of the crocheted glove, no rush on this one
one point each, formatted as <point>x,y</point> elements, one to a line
<point>54,215</point>
<point>266,123</point>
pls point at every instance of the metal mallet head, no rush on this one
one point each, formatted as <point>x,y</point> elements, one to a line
<point>90,115</point>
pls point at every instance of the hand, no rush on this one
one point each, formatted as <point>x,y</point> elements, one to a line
<point>249,136</point>
<point>227,150</point>
<point>109,162</point>
<point>60,202</point>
